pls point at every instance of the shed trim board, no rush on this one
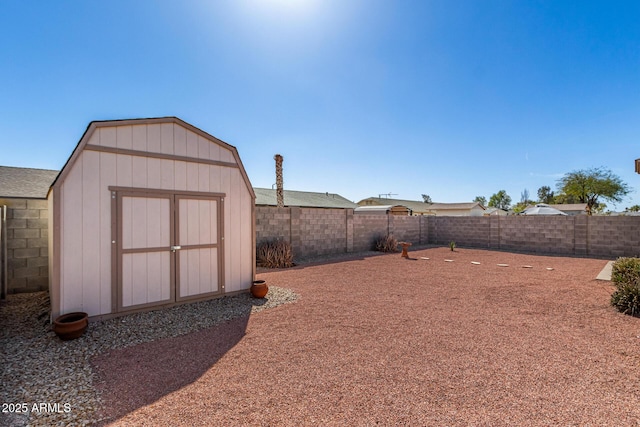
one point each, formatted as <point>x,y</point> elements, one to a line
<point>157,155</point>
<point>132,230</point>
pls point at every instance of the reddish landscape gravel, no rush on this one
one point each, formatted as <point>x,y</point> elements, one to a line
<point>389,341</point>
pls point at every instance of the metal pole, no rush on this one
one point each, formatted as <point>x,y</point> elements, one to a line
<point>4,276</point>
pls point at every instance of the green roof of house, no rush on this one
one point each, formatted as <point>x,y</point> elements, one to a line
<point>25,183</point>
<point>305,199</point>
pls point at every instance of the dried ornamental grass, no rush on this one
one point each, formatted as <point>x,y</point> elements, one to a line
<point>275,254</point>
<point>386,243</point>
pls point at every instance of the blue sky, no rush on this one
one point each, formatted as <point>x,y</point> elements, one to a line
<point>454,99</point>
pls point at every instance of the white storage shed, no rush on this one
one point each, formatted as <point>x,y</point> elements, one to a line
<point>148,213</point>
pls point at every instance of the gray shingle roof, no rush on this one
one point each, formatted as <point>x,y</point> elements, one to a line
<point>305,199</point>
<point>25,183</point>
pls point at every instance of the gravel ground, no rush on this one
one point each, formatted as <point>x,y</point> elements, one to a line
<point>371,341</point>
<point>37,367</point>
<point>389,341</point>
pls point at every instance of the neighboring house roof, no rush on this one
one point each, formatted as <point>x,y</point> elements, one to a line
<point>495,211</point>
<point>542,209</point>
<point>454,206</point>
<point>571,207</point>
<point>624,213</point>
<point>417,206</point>
<point>567,207</point>
<point>25,183</point>
<point>305,199</point>
<point>380,209</point>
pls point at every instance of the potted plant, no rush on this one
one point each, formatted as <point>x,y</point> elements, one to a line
<point>71,325</point>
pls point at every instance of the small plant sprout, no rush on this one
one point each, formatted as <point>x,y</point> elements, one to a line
<point>452,245</point>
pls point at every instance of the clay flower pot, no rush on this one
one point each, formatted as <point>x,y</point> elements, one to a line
<point>259,289</point>
<point>71,325</point>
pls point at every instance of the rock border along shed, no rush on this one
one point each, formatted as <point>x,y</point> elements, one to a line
<point>148,213</point>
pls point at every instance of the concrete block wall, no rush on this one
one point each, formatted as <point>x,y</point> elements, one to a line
<point>411,229</point>
<point>538,234</point>
<point>322,232</point>
<point>27,245</point>
<point>613,236</point>
<point>581,235</point>
<point>597,236</point>
<point>273,223</point>
<point>367,228</point>
<point>333,231</point>
<point>464,230</point>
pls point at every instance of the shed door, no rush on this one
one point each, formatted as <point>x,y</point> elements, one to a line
<point>170,248</point>
<point>146,266</point>
<point>198,236</point>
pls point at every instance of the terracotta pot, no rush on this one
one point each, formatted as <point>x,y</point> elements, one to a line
<point>71,325</point>
<point>259,289</point>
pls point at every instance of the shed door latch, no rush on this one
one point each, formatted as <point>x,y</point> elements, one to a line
<point>175,248</point>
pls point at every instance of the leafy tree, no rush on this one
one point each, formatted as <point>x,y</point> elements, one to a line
<point>524,202</point>
<point>562,199</point>
<point>481,199</point>
<point>634,208</point>
<point>591,184</point>
<point>545,195</point>
<point>600,207</point>
<point>519,207</point>
<point>427,198</point>
<point>500,200</point>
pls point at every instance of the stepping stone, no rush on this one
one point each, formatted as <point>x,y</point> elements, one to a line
<point>475,263</point>
<point>423,257</point>
<point>448,260</point>
<point>503,265</point>
<point>527,266</point>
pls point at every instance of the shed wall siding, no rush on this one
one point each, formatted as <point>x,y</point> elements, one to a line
<point>85,202</point>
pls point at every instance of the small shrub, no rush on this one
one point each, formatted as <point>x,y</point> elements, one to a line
<point>625,270</point>
<point>452,245</point>
<point>274,254</point>
<point>625,275</point>
<point>386,243</point>
<point>626,298</point>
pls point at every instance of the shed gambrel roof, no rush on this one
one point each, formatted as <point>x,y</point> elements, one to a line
<point>150,121</point>
<point>304,199</point>
<point>25,183</point>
